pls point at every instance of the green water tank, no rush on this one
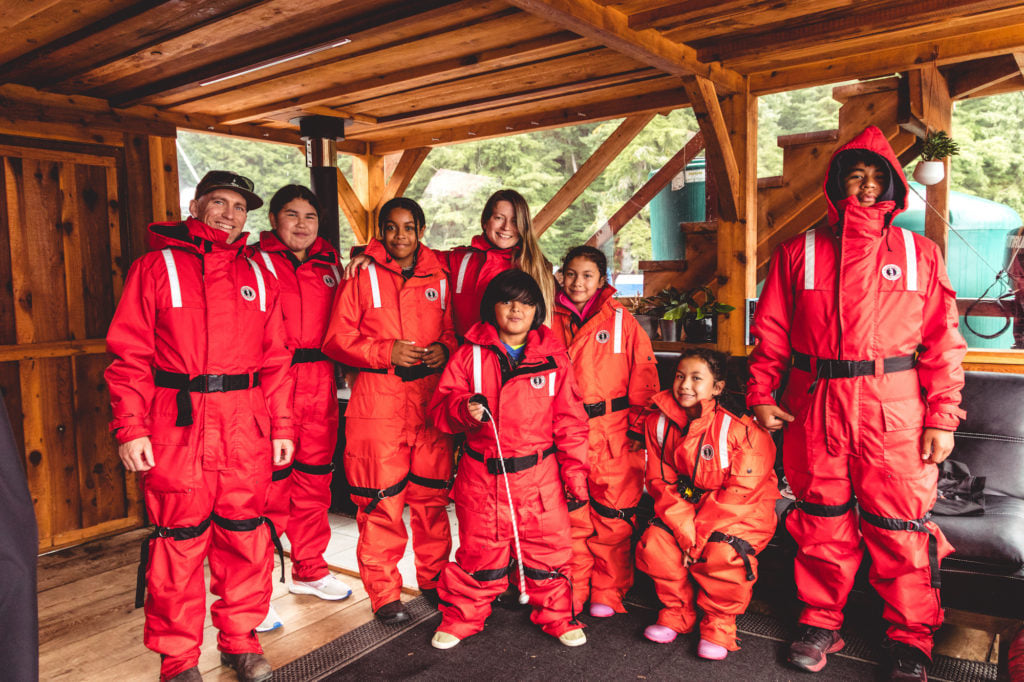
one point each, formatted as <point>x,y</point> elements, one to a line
<point>680,201</point>
<point>984,225</point>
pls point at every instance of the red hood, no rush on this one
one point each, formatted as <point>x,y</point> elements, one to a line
<point>321,249</point>
<point>873,140</point>
<point>192,235</point>
<point>427,262</point>
<point>540,342</point>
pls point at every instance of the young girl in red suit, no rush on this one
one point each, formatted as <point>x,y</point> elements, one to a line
<point>393,322</point>
<point>710,471</point>
<point>511,390</point>
<point>617,375</point>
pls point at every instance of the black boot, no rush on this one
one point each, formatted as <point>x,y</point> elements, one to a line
<point>909,664</point>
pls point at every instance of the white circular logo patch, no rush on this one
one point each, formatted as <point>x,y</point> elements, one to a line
<point>706,451</point>
<point>891,272</point>
<point>248,293</point>
<point>431,294</point>
<point>602,336</point>
<point>329,281</point>
<point>537,381</point>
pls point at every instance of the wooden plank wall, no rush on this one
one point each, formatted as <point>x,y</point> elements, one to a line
<point>70,224</point>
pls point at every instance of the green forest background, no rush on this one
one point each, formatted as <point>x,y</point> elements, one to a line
<point>454,181</point>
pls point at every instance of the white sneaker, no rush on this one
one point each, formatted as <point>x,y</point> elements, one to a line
<point>328,587</point>
<point>271,622</point>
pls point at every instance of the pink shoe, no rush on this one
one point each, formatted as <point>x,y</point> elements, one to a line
<point>601,610</point>
<point>711,651</point>
<point>660,634</point>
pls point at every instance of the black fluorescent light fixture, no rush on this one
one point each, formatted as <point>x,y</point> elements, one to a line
<point>279,60</point>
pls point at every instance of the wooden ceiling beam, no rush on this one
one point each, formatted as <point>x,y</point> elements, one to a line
<point>721,158</point>
<point>30,104</point>
<point>407,166</point>
<point>115,37</point>
<point>643,196</point>
<point>590,170</point>
<point>611,28</point>
<point>497,103</point>
<point>500,124</point>
<point>706,20</point>
<point>353,208</point>
<point>970,78</point>
<point>877,24</point>
<point>217,68</point>
<point>885,61</point>
<point>418,75</point>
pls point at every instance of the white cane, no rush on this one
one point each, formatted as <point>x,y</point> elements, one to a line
<point>524,598</point>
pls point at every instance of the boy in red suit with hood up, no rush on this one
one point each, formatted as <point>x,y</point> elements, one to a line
<point>864,320</point>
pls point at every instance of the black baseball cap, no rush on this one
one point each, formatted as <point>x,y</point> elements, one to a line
<point>220,179</point>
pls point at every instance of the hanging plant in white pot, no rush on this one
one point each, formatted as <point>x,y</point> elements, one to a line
<point>931,168</point>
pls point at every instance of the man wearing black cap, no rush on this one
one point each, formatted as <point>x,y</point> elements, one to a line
<point>200,391</point>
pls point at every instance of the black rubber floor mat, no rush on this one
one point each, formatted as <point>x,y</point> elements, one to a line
<point>511,647</point>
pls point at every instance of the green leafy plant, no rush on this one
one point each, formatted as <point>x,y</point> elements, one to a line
<point>938,145</point>
<point>669,304</point>
<point>710,306</point>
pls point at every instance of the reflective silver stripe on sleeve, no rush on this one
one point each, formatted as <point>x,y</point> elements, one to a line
<point>444,291</point>
<point>617,343</point>
<point>551,384</point>
<point>477,379</point>
<point>270,263</point>
<point>908,242</point>
<point>723,442</point>
<point>172,277</point>
<point>662,425</point>
<point>337,275</point>
<point>374,285</point>
<point>260,286</point>
<point>462,272</point>
<point>809,259</point>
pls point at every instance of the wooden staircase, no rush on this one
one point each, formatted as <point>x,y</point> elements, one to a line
<point>793,202</point>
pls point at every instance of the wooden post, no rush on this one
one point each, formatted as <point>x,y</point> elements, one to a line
<point>368,185</point>
<point>737,239</point>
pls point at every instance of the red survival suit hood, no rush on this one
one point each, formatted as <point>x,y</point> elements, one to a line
<point>892,202</point>
<point>321,249</point>
<point>192,234</point>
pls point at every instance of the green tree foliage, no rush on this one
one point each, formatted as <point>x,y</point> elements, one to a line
<point>991,159</point>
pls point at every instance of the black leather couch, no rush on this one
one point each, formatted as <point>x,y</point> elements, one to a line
<point>986,572</point>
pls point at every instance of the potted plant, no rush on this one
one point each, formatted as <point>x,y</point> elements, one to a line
<point>673,306</point>
<point>937,146</point>
<point>701,321</point>
<point>640,308</point>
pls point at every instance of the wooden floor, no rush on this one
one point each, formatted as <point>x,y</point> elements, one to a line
<point>89,630</point>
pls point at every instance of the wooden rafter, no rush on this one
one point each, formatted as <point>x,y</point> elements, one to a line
<point>643,196</point>
<point>495,125</point>
<point>419,75</point>
<point>353,209</point>
<point>610,27</point>
<point>589,171</point>
<point>407,166</point>
<point>721,158</point>
<point>866,23</point>
<point>975,77</point>
<point>770,76</point>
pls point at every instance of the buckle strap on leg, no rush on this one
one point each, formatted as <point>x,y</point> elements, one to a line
<point>182,533</point>
<point>378,495</point>
<point>827,510</point>
<point>245,525</point>
<point>626,513</point>
<point>489,574</point>
<point>282,474</point>
<point>541,574</point>
<point>314,469</point>
<point>435,483</point>
<point>911,526</point>
<point>742,547</point>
